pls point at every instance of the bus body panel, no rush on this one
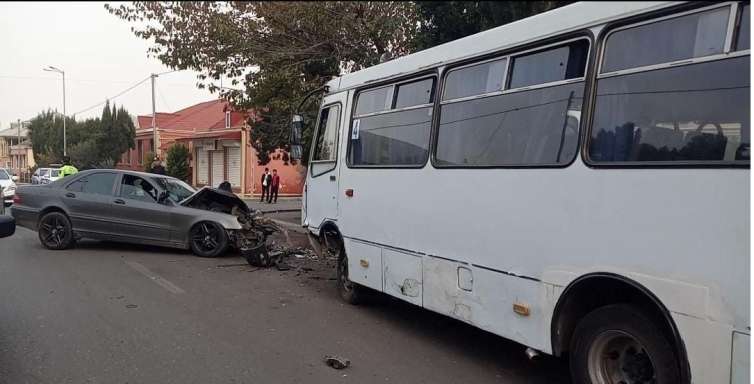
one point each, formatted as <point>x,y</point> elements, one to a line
<point>496,248</point>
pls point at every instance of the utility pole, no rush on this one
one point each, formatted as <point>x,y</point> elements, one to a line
<point>154,118</point>
<point>65,152</point>
<point>60,71</point>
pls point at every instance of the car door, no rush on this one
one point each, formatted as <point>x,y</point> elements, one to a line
<point>87,200</point>
<point>137,215</point>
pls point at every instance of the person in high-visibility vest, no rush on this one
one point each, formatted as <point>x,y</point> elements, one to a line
<point>67,169</point>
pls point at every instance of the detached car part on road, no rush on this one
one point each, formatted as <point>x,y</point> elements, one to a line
<point>138,207</point>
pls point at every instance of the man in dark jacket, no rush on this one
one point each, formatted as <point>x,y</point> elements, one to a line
<point>266,181</point>
<point>157,166</point>
<point>274,186</point>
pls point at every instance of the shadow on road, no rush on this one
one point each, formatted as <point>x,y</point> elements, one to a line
<point>466,340</point>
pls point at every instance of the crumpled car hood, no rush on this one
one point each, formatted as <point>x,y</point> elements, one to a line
<point>225,199</point>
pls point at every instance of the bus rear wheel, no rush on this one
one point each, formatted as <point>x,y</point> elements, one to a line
<point>618,344</point>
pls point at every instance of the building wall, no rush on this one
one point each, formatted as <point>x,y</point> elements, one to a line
<point>292,177</point>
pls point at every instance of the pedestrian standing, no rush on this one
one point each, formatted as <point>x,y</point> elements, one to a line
<point>274,186</point>
<point>157,166</point>
<point>67,169</point>
<point>266,180</point>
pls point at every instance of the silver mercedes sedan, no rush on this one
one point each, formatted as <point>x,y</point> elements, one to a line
<point>135,207</point>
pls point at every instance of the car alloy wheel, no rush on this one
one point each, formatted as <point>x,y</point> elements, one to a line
<point>208,239</point>
<point>55,231</point>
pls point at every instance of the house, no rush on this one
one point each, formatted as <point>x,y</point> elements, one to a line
<point>219,140</point>
<point>16,153</point>
<point>144,141</point>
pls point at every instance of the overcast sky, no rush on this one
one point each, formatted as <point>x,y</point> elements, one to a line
<point>99,54</point>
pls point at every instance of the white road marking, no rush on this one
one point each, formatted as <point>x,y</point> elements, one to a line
<point>155,277</point>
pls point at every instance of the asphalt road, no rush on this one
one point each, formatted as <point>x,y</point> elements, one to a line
<point>111,313</point>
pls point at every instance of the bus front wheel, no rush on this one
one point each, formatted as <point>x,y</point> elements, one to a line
<point>349,291</point>
<point>619,344</point>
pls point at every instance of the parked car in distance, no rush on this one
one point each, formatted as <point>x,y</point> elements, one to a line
<point>45,175</point>
<point>53,175</point>
<point>134,207</point>
<point>8,186</point>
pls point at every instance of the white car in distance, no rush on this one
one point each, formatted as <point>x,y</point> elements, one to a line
<point>7,186</point>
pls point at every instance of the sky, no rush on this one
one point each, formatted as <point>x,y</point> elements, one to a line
<point>98,52</point>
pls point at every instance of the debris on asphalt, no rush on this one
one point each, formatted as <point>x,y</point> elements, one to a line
<point>337,362</point>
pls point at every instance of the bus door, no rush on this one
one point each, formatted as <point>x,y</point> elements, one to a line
<point>322,180</point>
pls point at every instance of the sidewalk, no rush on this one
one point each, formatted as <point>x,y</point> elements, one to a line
<point>284,204</point>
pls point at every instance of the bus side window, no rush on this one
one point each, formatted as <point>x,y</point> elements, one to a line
<point>398,134</point>
<point>692,113</point>
<point>528,125</point>
<point>324,153</point>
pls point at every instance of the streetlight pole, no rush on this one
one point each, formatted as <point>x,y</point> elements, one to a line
<point>62,72</point>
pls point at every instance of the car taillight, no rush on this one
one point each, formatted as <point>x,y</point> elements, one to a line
<point>17,199</point>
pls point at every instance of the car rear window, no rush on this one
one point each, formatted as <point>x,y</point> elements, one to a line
<point>4,175</point>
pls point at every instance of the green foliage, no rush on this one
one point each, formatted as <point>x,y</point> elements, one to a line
<point>178,162</point>
<point>92,143</point>
<point>276,52</point>
<point>444,21</point>
<point>147,161</point>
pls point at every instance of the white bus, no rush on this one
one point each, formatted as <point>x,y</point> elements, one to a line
<point>577,181</point>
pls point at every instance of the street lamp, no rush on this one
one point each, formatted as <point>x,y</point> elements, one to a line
<point>60,71</point>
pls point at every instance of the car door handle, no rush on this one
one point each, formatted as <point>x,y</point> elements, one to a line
<point>119,201</point>
<point>71,195</point>
<point>332,177</point>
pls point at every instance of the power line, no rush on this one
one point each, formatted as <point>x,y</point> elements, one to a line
<point>162,97</point>
<point>69,79</point>
<point>113,97</point>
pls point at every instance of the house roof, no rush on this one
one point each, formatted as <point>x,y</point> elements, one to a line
<point>13,132</point>
<point>202,117</point>
<point>162,119</point>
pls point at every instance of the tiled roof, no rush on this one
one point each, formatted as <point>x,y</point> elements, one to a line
<point>202,117</point>
<point>162,119</point>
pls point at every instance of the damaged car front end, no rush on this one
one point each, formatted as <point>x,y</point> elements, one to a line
<point>251,238</point>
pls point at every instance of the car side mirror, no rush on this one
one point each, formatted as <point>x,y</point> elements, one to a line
<point>297,126</point>
<point>7,226</point>
<point>14,178</point>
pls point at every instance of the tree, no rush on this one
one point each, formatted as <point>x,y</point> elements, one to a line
<point>278,51</point>
<point>178,162</point>
<point>444,21</point>
<point>92,143</point>
<point>147,161</point>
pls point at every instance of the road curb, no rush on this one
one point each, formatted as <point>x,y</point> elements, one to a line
<point>282,210</point>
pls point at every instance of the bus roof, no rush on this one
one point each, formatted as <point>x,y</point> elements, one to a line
<point>561,20</point>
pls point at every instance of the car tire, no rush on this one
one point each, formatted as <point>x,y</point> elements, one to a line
<point>620,344</point>
<point>349,291</point>
<point>55,231</point>
<point>208,239</point>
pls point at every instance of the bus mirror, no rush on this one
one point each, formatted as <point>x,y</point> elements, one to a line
<point>297,125</point>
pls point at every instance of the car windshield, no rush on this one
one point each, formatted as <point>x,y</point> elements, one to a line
<point>177,189</point>
<point>55,173</point>
<point>4,175</point>
<point>44,172</point>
